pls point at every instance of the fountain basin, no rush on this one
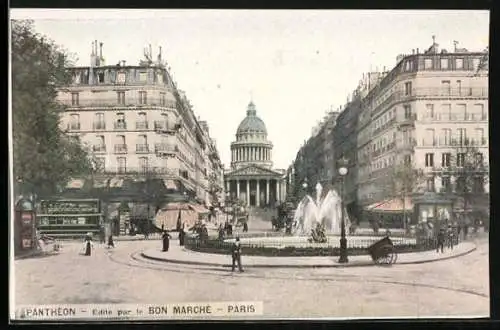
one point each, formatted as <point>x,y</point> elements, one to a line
<point>295,246</point>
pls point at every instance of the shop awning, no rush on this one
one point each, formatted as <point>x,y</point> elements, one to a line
<point>169,218</point>
<point>199,208</point>
<point>116,183</point>
<point>391,205</point>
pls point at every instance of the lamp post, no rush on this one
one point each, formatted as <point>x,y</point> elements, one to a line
<point>343,241</point>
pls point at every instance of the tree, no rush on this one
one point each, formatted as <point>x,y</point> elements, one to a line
<point>214,189</point>
<point>468,167</point>
<point>44,156</point>
<point>401,181</point>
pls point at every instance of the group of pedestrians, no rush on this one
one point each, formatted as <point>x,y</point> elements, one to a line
<point>89,245</point>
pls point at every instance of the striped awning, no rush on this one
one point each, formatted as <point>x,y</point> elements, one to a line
<point>199,208</point>
<point>100,183</point>
<point>167,219</point>
<point>392,205</point>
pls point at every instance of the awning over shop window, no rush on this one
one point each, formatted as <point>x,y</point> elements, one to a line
<point>199,208</point>
<point>392,205</point>
<point>100,183</point>
<point>169,219</point>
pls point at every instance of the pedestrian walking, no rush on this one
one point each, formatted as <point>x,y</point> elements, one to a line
<point>111,244</point>
<point>245,226</point>
<point>182,234</point>
<point>221,232</point>
<point>440,240</point>
<point>88,244</point>
<point>236,255</point>
<point>166,241</point>
<point>451,238</point>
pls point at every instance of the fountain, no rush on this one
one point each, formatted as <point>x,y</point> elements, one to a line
<point>326,211</point>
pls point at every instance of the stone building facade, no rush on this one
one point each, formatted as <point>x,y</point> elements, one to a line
<point>136,122</point>
<point>251,177</point>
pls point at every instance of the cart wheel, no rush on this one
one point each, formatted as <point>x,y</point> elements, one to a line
<point>387,257</point>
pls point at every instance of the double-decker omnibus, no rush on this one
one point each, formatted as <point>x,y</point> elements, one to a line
<point>69,218</point>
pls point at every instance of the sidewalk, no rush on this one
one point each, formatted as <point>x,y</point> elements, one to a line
<point>180,255</point>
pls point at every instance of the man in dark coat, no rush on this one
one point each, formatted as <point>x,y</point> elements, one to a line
<point>88,244</point>
<point>236,254</point>
<point>111,244</point>
<point>166,241</point>
<point>440,240</point>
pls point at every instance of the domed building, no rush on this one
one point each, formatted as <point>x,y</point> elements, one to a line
<point>251,177</point>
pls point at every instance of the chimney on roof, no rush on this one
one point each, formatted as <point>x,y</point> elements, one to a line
<point>159,54</point>
<point>417,51</point>
<point>100,50</point>
<point>413,51</point>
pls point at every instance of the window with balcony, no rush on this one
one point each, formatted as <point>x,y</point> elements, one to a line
<point>99,122</point>
<point>143,164</point>
<point>446,183</point>
<point>446,159</point>
<point>461,159</point>
<point>444,64</point>
<point>407,159</point>
<point>100,145</point>
<point>74,122</point>
<point>429,137</point>
<point>122,164</point>
<point>479,136</point>
<point>459,87</point>
<point>142,144</point>
<point>461,136</point>
<point>445,113</point>
<point>445,87</point>
<point>459,63</point>
<point>429,111</point>
<point>408,88</point>
<point>120,121</point>
<point>142,121</point>
<point>75,98</point>
<point>429,160</point>
<point>460,184</point>
<point>163,99</point>
<point>461,112</point>
<point>120,98</point>
<point>407,110</point>
<point>121,145</point>
<point>143,97</point>
<point>478,112</point>
<point>428,63</point>
<point>430,185</point>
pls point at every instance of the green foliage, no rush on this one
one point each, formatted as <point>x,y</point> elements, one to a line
<point>403,179</point>
<point>44,157</point>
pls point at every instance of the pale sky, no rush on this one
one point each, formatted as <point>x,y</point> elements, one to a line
<point>297,64</point>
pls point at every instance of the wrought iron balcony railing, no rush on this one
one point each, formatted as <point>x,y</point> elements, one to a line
<point>120,148</point>
<point>120,125</point>
<point>142,148</point>
<point>141,125</point>
<point>99,125</point>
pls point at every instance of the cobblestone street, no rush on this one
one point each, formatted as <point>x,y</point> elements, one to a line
<point>454,287</point>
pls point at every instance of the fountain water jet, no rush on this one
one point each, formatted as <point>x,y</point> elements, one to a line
<point>326,211</point>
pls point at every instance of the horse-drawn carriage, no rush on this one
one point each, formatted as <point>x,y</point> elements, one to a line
<point>383,252</point>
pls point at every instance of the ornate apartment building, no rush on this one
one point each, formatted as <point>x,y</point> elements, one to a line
<point>418,113</point>
<point>136,122</point>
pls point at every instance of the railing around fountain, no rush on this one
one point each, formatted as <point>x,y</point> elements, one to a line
<point>274,244</point>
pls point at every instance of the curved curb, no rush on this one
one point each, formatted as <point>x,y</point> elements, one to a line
<point>333,265</point>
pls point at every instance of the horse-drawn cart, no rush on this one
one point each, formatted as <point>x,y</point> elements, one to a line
<point>383,252</point>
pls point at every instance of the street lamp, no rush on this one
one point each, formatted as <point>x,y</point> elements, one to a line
<point>343,163</point>
<point>304,186</point>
